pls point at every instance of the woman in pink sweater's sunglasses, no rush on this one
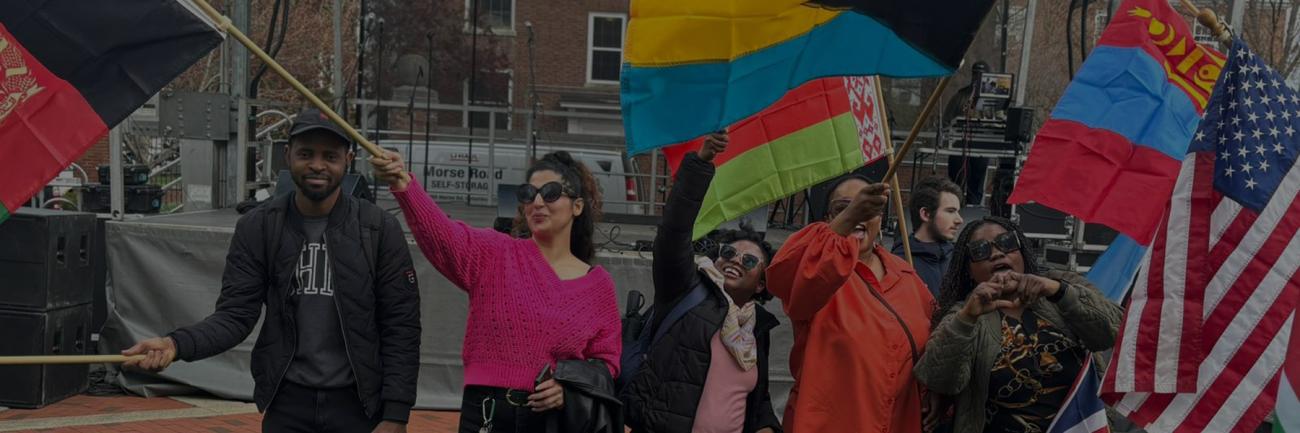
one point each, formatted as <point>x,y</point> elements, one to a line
<point>533,300</point>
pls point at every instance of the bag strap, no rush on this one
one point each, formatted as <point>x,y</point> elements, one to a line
<point>916,357</point>
<point>692,298</point>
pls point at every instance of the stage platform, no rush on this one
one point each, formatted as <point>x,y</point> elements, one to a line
<point>165,272</point>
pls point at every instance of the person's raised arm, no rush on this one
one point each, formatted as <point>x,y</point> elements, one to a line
<point>456,249</point>
<point>674,257</point>
<point>818,260</point>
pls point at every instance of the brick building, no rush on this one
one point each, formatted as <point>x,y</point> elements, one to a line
<point>576,56</point>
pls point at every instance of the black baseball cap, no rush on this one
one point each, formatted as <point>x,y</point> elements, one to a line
<point>311,119</point>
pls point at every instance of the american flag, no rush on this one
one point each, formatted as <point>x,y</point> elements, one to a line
<point>1210,318</point>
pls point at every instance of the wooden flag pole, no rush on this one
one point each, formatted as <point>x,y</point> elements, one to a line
<point>916,127</point>
<point>1211,21</point>
<point>67,359</point>
<point>893,181</point>
<point>225,25</point>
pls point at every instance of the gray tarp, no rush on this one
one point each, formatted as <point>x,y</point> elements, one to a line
<point>166,272</point>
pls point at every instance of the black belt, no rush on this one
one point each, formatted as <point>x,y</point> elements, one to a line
<point>513,397</point>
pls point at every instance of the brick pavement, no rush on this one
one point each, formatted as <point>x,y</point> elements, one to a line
<point>130,414</point>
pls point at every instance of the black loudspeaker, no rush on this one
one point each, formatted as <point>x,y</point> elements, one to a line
<point>1004,181</point>
<point>46,259</point>
<point>1042,222</point>
<point>1020,120</point>
<point>141,199</point>
<point>57,332</point>
<point>353,184</point>
<point>1098,234</point>
<point>817,195</point>
<point>99,277</point>
<point>131,174</point>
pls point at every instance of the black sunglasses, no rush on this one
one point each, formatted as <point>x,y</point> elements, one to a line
<point>550,192</point>
<point>748,261</point>
<point>981,250</point>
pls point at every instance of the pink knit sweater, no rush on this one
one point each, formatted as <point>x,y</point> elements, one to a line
<point>522,316</point>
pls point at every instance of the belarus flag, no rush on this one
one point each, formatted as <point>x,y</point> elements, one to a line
<point>72,69</point>
<point>820,130</point>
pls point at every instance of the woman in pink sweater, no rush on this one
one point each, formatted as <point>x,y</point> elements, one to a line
<point>533,301</point>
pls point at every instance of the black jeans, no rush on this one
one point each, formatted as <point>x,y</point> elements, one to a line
<point>298,408</point>
<point>505,408</point>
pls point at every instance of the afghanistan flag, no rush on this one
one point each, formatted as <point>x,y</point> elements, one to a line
<point>815,132</point>
<point>693,67</point>
<point>72,69</point>
<point>1111,151</point>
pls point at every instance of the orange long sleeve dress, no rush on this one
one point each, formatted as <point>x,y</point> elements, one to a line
<point>852,360</point>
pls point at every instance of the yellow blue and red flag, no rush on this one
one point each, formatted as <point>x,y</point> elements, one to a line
<point>1111,150</point>
<point>692,67</point>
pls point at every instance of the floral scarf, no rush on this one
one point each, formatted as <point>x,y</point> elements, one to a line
<point>737,331</point>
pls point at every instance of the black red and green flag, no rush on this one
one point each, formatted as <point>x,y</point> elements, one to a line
<point>815,132</point>
<point>72,69</point>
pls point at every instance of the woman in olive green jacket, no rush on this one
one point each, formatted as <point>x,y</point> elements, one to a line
<point>1011,339</point>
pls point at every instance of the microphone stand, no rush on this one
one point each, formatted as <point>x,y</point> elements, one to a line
<point>532,93</point>
<point>410,122</point>
<point>428,113</point>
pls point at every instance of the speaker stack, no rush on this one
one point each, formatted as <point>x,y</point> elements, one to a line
<point>140,196</point>
<point>47,258</point>
<point>1064,242</point>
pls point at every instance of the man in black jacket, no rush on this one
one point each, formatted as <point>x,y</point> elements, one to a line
<point>709,372</point>
<point>339,349</point>
<point>935,208</point>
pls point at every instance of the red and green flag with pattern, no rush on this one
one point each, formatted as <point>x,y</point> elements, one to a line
<point>817,131</point>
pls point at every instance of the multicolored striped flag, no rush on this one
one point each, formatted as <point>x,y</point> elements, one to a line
<point>1083,411</point>
<point>817,131</point>
<point>1109,153</point>
<point>1207,328</point>
<point>693,67</point>
<point>73,69</point>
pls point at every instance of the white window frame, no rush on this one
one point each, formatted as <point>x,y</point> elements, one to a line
<point>591,39</point>
<point>510,98</point>
<point>499,30</point>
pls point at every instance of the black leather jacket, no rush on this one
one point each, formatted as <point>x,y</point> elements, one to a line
<point>590,404</point>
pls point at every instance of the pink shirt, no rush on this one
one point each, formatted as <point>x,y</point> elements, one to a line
<point>726,388</point>
<point>522,316</point>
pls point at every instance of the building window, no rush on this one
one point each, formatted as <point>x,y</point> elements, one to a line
<point>492,89</point>
<point>605,34</point>
<point>497,15</point>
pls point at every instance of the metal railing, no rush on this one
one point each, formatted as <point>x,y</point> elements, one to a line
<point>633,185</point>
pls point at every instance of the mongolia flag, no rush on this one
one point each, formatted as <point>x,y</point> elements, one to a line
<point>815,132</point>
<point>72,69</point>
<point>693,67</point>
<point>1112,149</point>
